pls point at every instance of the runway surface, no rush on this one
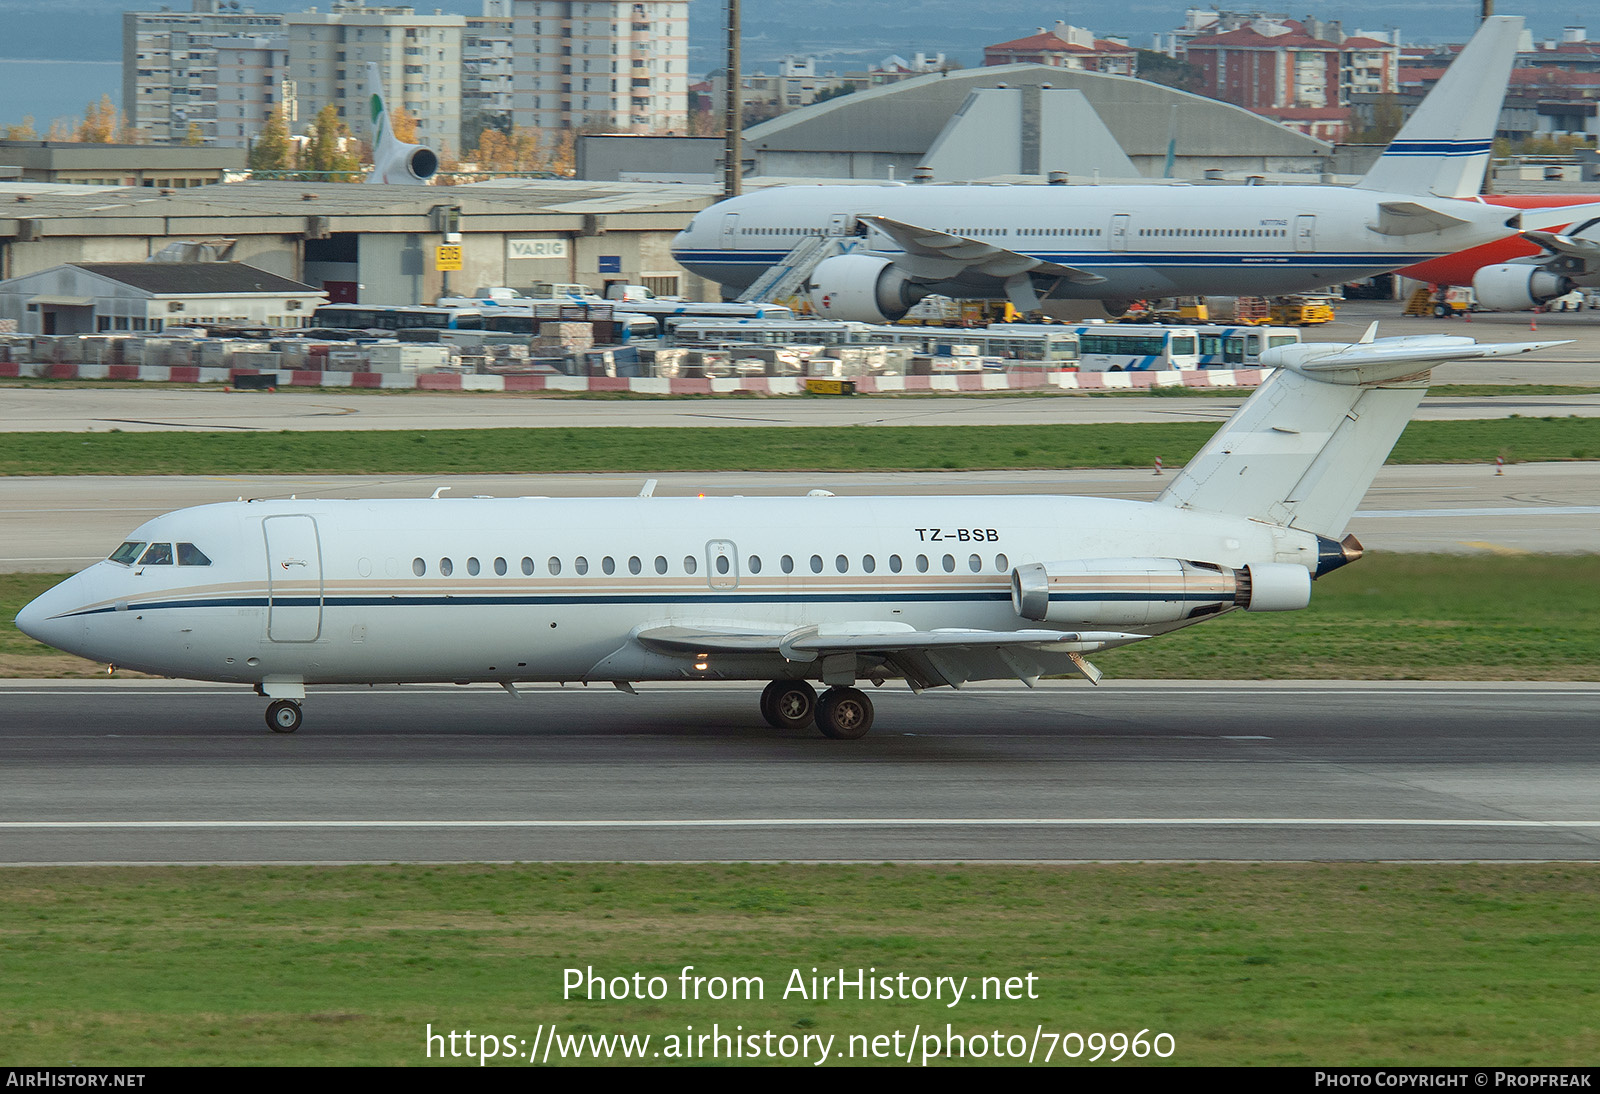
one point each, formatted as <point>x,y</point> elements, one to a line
<point>165,409</point>
<point>123,771</point>
<point>54,524</point>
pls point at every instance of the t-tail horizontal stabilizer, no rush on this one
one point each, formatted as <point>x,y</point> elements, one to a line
<point>1304,448</point>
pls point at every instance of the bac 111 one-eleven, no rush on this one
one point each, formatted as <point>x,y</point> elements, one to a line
<point>934,591</point>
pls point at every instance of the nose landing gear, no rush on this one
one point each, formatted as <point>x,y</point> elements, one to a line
<point>283,716</point>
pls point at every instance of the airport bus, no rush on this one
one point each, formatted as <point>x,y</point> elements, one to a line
<point>1050,343</point>
<point>396,317</point>
<point>1136,347</point>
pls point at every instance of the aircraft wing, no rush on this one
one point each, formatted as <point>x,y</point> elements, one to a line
<point>939,256</point>
<point>1569,246</point>
<point>925,658</point>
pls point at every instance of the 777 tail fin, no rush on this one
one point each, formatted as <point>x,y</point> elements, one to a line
<point>1304,448</point>
<point>1445,146</point>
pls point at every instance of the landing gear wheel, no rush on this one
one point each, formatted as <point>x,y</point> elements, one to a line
<point>789,704</point>
<point>283,716</point>
<point>844,714</point>
<point>1441,311</point>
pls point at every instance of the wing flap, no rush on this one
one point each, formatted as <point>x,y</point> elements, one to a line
<point>809,643</point>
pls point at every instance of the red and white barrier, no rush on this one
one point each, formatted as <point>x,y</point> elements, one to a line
<point>725,385</point>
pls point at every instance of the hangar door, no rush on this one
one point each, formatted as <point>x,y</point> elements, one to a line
<point>294,579</point>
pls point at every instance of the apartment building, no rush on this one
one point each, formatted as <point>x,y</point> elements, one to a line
<point>169,65</point>
<point>486,64</point>
<point>252,81</point>
<point>612,66</point>
<point>419,57</point>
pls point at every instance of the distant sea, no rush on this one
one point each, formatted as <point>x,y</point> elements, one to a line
<point>54,89</point>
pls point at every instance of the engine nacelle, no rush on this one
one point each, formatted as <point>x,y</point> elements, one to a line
<point>409,162</point>
<point>1515,286</point>
<point>862,289</point>
<point>1139,591</point>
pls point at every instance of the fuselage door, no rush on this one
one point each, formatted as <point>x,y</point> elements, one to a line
<point>1119,232</point>
<point>722,564</point>
<point>294,579</point>
<point>840,224</point>
<point>1305,233</point>
<point>730,230</point>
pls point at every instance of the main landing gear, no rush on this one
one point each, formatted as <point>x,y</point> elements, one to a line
<point>283,716</point>
<point>843,714</point>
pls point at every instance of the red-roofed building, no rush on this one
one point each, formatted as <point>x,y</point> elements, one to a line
<point>1066,47</point>
<point>1282,69</point>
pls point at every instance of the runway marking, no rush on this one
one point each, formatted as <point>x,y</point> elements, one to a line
<point>823,822</point>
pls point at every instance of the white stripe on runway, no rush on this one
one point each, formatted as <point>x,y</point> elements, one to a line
<point>828,822</point>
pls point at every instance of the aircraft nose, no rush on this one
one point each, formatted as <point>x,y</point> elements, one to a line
<point>45,618</point>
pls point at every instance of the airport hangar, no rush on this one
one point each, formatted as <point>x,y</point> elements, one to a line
<point>377,244</point>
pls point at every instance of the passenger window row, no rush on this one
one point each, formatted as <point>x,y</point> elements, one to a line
<point>635,566</point>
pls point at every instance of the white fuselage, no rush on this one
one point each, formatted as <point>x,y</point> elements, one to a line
<point>542,589</point>
<point>1144,240</point>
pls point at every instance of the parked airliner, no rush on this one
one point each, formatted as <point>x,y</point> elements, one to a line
<point>393,161</point>
<point>1053,248</point>
<point>935,591</point>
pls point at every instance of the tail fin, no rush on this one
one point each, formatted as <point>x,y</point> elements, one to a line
<point>1304,448</point>
<point>392,160</point>
<point>1445,146</point>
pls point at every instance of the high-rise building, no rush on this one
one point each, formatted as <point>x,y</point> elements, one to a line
<point>252,75</point>
<point>486,67</point>
<point>169,65</point>
<point>418,57</point>
<point>608,66</point>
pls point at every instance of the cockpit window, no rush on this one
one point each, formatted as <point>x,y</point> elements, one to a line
<point>127,552</point>
<point>190,555</point>
<point>159,554</point>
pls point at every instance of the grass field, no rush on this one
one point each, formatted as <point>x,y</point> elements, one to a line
<point>1387,617</point>
<point>849,448</point>
<point>1240,964</point>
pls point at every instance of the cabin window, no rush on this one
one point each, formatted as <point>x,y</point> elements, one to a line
<point>580,565</point>
<point>753,563</point>
<point>500,567</point>
<point>894,564</point>
<point>661,564</point>
<point>608,565</point>
<point>190,555</point>
<point>1002,563</point>
<point>555,565</point>
<point>127,552</point>
<point>841,564</point>
<point>418,567</point>
<point>816,564</point>
<point>868,563</point>
<point>446,567</point>
<point>786,564</point>
<point>974,563</point>
<point>949,564</point>
<point>634,565</point>
<point>922,564</point>
<point>689,564</point>
<point>473,567</point>
<point>527,566</point>
<point>158,554</point>
<point>722,564</point>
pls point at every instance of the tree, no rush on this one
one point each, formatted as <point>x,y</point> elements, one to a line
<point>1158,68</point>
<point>99,123</point>
<point>194,137</point>
<point>404,124</point>
<point>23,132</point>
<point>272,149</point>
<point>1387,118</point>
<point>325,156</point>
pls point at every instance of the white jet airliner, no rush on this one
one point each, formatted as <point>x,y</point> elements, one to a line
<point>394,161</point>
<point>937,591</point>
<point>1053,248</point>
